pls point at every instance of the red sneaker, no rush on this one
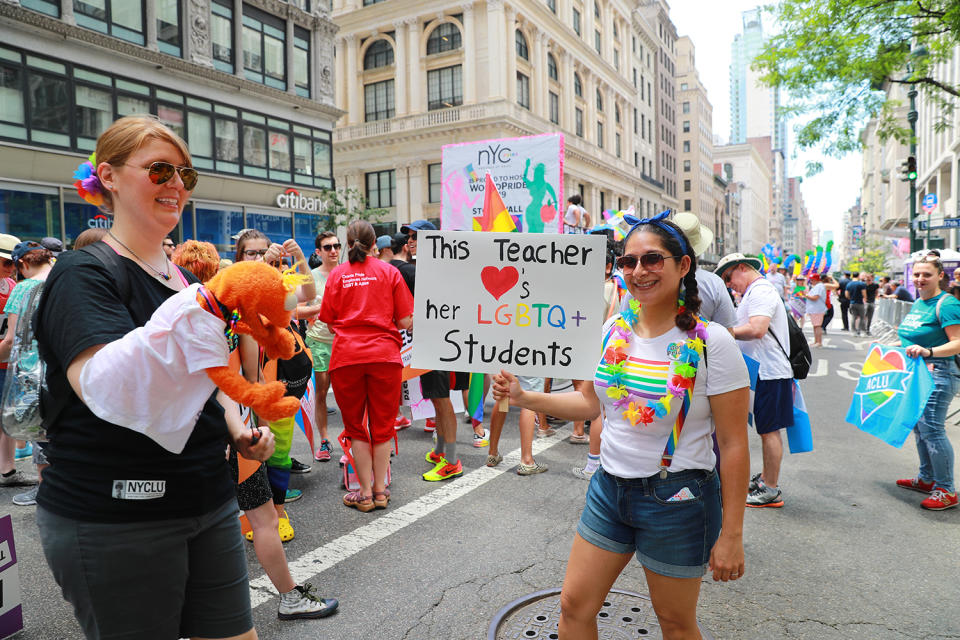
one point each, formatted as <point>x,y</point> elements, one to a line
<point>402,422</point>
<point>915,484</point>
<point>430,426</point>
<point>434,458</point>
<point>939,500</point>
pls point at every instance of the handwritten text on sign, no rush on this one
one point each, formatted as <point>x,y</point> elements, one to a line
<point>528,303</point>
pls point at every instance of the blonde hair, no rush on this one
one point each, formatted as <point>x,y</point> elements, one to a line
<point>199,258</point>
<point>125,136</point>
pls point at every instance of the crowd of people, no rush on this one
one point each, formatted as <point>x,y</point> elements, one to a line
<point>673,362</point>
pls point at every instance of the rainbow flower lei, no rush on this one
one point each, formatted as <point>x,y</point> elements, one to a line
<point>87,182</point>
<point>679,383</point>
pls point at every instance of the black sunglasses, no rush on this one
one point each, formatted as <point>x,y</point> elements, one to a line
<point>253,253</point>
<point>331,247</point>
<point>650,261</point>
<point>161,172</point>
<point>412,235</point>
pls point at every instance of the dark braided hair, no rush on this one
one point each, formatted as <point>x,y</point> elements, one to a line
<point>687,319</point>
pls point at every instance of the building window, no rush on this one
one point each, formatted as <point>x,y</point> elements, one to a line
<point>434,181</point>
<point>636,122</point>
<point>596,9</point>
<point>379,54</point>
<point>686,107</point>
<point>600,134</point>
<point>381,189</point>
<point>683,86</point>
<point>616,59</point>
<point>521,43</point>
<point>635,78</point>
<point>686,185</point>
<point>552,4</point>
<point>168,26</point>
<point>221,33</point>
<point>48,7</point>
<point>636,159</point>
<point>616,140</point>
<point>597,42</point>
<point>686,165</point>
<point>616,111</point>
<point>94,113</point>
<point>367,3</point>
<point>686,126</point>
<point>554,108</point>
<point>686,146</point>
<point>301,61</point>
<point>446,37</point>
<point>599,101</point>
<point>552,72</point>
<point>578,121</point>
<point>643,126</point>
<point>577,85</point>
<point>576,21</point>
<point>264,48</point>
<point>523,90</point>
<point>444,87</point>
<point>378,100</point>
<point>119,18</point>
<point>687,205</point>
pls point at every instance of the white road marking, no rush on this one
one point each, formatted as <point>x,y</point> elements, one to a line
<point>336,551</point>
<point>850,370</point>
<point>822,368</point>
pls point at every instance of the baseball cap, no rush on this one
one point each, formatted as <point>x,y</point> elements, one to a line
<point>53,244</point>
<point>418,225</point>
<point>7,245</point>
<point>384,242</point>
<point>399,239</point>
<point>24,248</point>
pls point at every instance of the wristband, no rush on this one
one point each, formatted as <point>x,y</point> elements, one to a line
<point>931,352</point>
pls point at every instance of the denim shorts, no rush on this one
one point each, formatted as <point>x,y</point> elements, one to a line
<point>671,524</point>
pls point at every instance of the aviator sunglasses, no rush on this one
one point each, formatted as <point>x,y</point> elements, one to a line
<point>331,247</point>
<point>650,261</point>
<point>161,172</point>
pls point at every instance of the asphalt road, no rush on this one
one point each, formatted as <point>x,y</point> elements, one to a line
<point>849,556</point>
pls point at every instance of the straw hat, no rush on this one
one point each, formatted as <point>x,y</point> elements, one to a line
<point>7,243</point>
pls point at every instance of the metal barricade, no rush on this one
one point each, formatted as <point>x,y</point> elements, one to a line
<point>891,311</point>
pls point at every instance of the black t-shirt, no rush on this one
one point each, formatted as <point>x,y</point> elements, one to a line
<point>90,459</point>
<point>871,291</point>
<point>408,271</point>
<point>842,289</point>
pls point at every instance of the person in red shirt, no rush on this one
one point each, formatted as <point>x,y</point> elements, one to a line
<point>365,303</point>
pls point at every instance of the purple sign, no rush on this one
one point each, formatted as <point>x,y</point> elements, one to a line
<point>11,613</point>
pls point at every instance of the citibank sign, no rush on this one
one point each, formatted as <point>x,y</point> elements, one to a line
<point>98,221</point>
<point>293,199</point>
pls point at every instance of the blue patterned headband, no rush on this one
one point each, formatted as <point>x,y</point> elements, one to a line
<point>659,220</point>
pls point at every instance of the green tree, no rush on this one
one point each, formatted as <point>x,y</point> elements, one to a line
<point>834,58</point>
<point>345,205</point>
<point>872,257</point>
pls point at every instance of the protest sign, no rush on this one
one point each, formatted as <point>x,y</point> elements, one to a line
<point>11,611</point>
<point>528,173</point>
<point>891,394</point>
<point>527,303</point>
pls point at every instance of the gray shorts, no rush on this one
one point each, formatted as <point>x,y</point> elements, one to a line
<point>152,580</point>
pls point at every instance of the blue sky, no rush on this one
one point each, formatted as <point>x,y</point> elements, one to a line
<point>711,26</point>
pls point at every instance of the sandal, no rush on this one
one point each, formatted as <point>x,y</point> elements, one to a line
<point>494,459</point>
<point>381,499</point>
<point>359,501</point>
<point>284,528</point>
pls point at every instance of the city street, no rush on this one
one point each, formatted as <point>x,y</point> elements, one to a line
<point>849,556</point>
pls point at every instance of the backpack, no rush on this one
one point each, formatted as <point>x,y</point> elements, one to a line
<point>296,371</point>
<point>26,377</point>
<point>799,356</point>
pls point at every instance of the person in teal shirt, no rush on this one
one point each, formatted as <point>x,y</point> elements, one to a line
<point>932,331</point>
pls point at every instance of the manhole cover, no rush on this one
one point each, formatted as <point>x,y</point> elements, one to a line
<point>624,615</point>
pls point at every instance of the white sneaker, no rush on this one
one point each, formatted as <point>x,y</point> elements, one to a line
<point>301,602</point>
<point>582,473</point>
<point>480,439</point>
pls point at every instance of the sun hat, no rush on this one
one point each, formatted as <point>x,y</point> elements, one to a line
<point>733,259</point>
<point>7,245</point>
<point>699,236</point>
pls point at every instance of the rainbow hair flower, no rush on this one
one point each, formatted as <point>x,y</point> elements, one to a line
<point>87,182</point>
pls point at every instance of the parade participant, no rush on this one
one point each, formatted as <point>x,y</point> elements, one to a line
<point>169,246</point>
<point>34,262</point>
<point>659,503</point>
<point>830,285</point>
<point>798,301</point>
<point>844,300</point>
<point>385,248</point>
<point>199,258</point>
<point>88,237</point>
<point>573,215</point>
<point>954,286</point>
<point>816,307</point>
<point>320,340</point>
<point>365,365</point>
<point>528,422</point>
<point>172,564</point>
<point>855,293</point>
<point>778,278</point>
<point>900,292</point>
<point>401,260</point>
<point>932,331</point>
<point>762,333</point>
<point>869,298</point>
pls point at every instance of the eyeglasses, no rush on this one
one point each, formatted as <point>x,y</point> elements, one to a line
<point>253,253</point>
<point>650,261</point>
<point>331,247</point>
<point>161,172</point>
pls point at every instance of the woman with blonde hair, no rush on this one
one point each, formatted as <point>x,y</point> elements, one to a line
<point>144,542</point>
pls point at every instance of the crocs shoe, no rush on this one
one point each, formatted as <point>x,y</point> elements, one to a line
<point>430,425</point>
<point>494,460</point>
<point>531,469</point>
<point>359,501</point>
<point>402,422</point>
<point>323,452</point>
<point>480,439</point>
<point>285,528</point>
<point>302,603</point>
<point>444,471</point>
<point>434,458</point>
<point>292,495</point>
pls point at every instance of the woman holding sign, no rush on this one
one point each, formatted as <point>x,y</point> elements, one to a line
<point>932,331</point>
<point>666,381</point>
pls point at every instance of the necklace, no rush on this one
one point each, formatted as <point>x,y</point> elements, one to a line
<point>160,274</point>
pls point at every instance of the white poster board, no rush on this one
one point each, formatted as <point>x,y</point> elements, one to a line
<point>528,173</point>
<point>531,304</point>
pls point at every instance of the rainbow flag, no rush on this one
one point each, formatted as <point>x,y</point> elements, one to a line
<point>471,173</point>
<point>495,215</point>
<point>475,399</point>
<point>304,417</point>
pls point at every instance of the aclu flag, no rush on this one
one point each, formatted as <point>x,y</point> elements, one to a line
<point>891,393</point>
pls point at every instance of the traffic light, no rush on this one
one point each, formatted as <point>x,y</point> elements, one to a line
<point>912,168</point>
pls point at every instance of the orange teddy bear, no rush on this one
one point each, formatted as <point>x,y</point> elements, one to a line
<point>254,298</point>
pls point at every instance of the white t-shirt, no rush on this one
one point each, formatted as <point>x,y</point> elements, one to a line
<point>715,303</point>
<point>819,305</point>
<point>573,218</point>
<point>635,451</point>
<point>761,299</point>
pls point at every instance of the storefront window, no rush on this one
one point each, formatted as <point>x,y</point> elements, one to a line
<point>306,226</point>
<point>216,226</point>
<point>275,225</point>
<point>30,215</point>
<point>78,216</point>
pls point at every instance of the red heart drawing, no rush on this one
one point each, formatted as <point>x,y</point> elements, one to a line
<point>499,281</point>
